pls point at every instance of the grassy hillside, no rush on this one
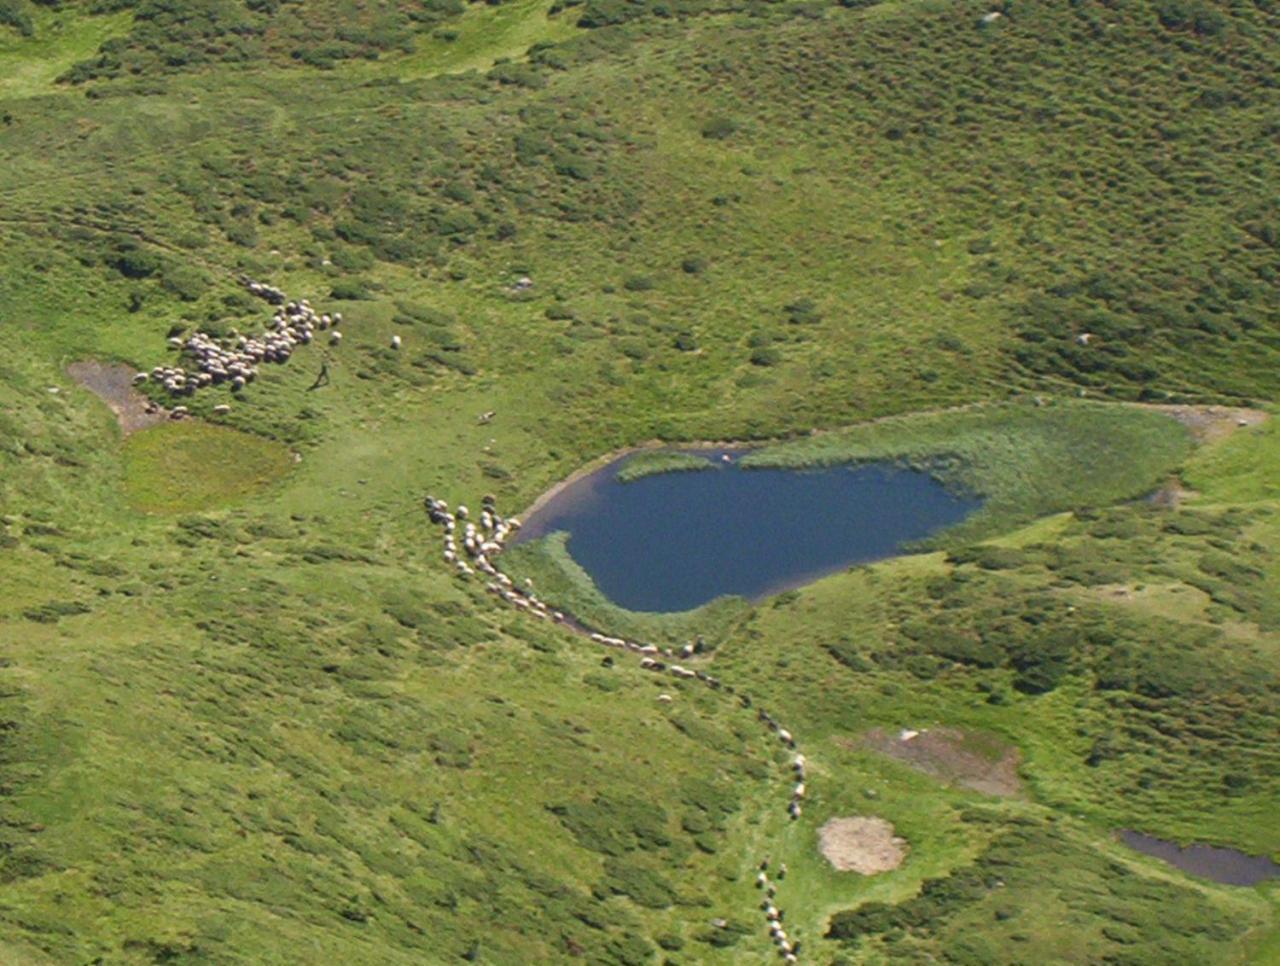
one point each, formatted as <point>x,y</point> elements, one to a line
<point>249,716</point>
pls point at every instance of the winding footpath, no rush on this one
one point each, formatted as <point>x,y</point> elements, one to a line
<point>472,547</point>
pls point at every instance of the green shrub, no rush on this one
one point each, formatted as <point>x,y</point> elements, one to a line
<point>719,127</point>
<point>641,885</point>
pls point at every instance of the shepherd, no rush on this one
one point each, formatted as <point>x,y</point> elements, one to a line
<point>323,378</point>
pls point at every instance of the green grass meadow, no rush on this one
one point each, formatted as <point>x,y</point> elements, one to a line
<point>247,714</point>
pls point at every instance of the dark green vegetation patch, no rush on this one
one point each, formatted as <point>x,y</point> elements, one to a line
<point>266,721</point>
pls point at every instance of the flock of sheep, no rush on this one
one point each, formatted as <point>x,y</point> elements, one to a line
<point>482,542</point>
<point>235,360</point>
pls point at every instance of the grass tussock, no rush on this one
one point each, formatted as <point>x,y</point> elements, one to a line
<point>649,464</point>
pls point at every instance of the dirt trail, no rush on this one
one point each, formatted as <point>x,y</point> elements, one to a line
<point>112,382</point>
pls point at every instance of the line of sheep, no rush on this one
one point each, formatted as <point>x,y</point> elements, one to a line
<point>787,949</point>
<point>483,543</point>
<point>236,358</point>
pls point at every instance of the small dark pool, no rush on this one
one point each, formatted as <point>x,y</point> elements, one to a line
<point>672,541</point>
<point>1221,865</point>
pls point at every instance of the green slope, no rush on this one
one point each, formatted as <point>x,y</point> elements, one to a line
<point>250,717</point>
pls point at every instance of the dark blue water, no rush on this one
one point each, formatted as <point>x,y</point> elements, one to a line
<point>676,540</point>
<point>1221,865</point>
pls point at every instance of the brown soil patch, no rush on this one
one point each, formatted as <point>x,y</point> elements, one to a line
<point>1211,423</point>
<point>970,759</point>
<point>1171,495</point>
<point>861,843</point>
<point>113,384</point>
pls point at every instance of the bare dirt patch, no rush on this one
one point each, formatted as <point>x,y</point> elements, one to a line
<point>1211,423</point>
<point>971,759</point>
<point>861,843</point>
<point>112,382</point>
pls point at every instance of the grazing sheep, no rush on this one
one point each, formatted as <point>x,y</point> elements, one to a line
<point>221,410</point>
<point>395,342</point>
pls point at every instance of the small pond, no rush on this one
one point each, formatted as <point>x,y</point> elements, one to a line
<point>673,541</point>
<point>1221,865</point>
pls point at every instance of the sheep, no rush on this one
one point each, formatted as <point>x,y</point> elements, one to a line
<point>335,338</point>
<point>221,410</point>
<point>799,790</point>
<point>761,880</point>
<point>139,378</point>
<point>665,698</point>
<point>395,342</point>
<point>785,736</point>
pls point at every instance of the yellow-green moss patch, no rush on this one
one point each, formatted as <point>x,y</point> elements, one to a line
<point>192,465</point>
